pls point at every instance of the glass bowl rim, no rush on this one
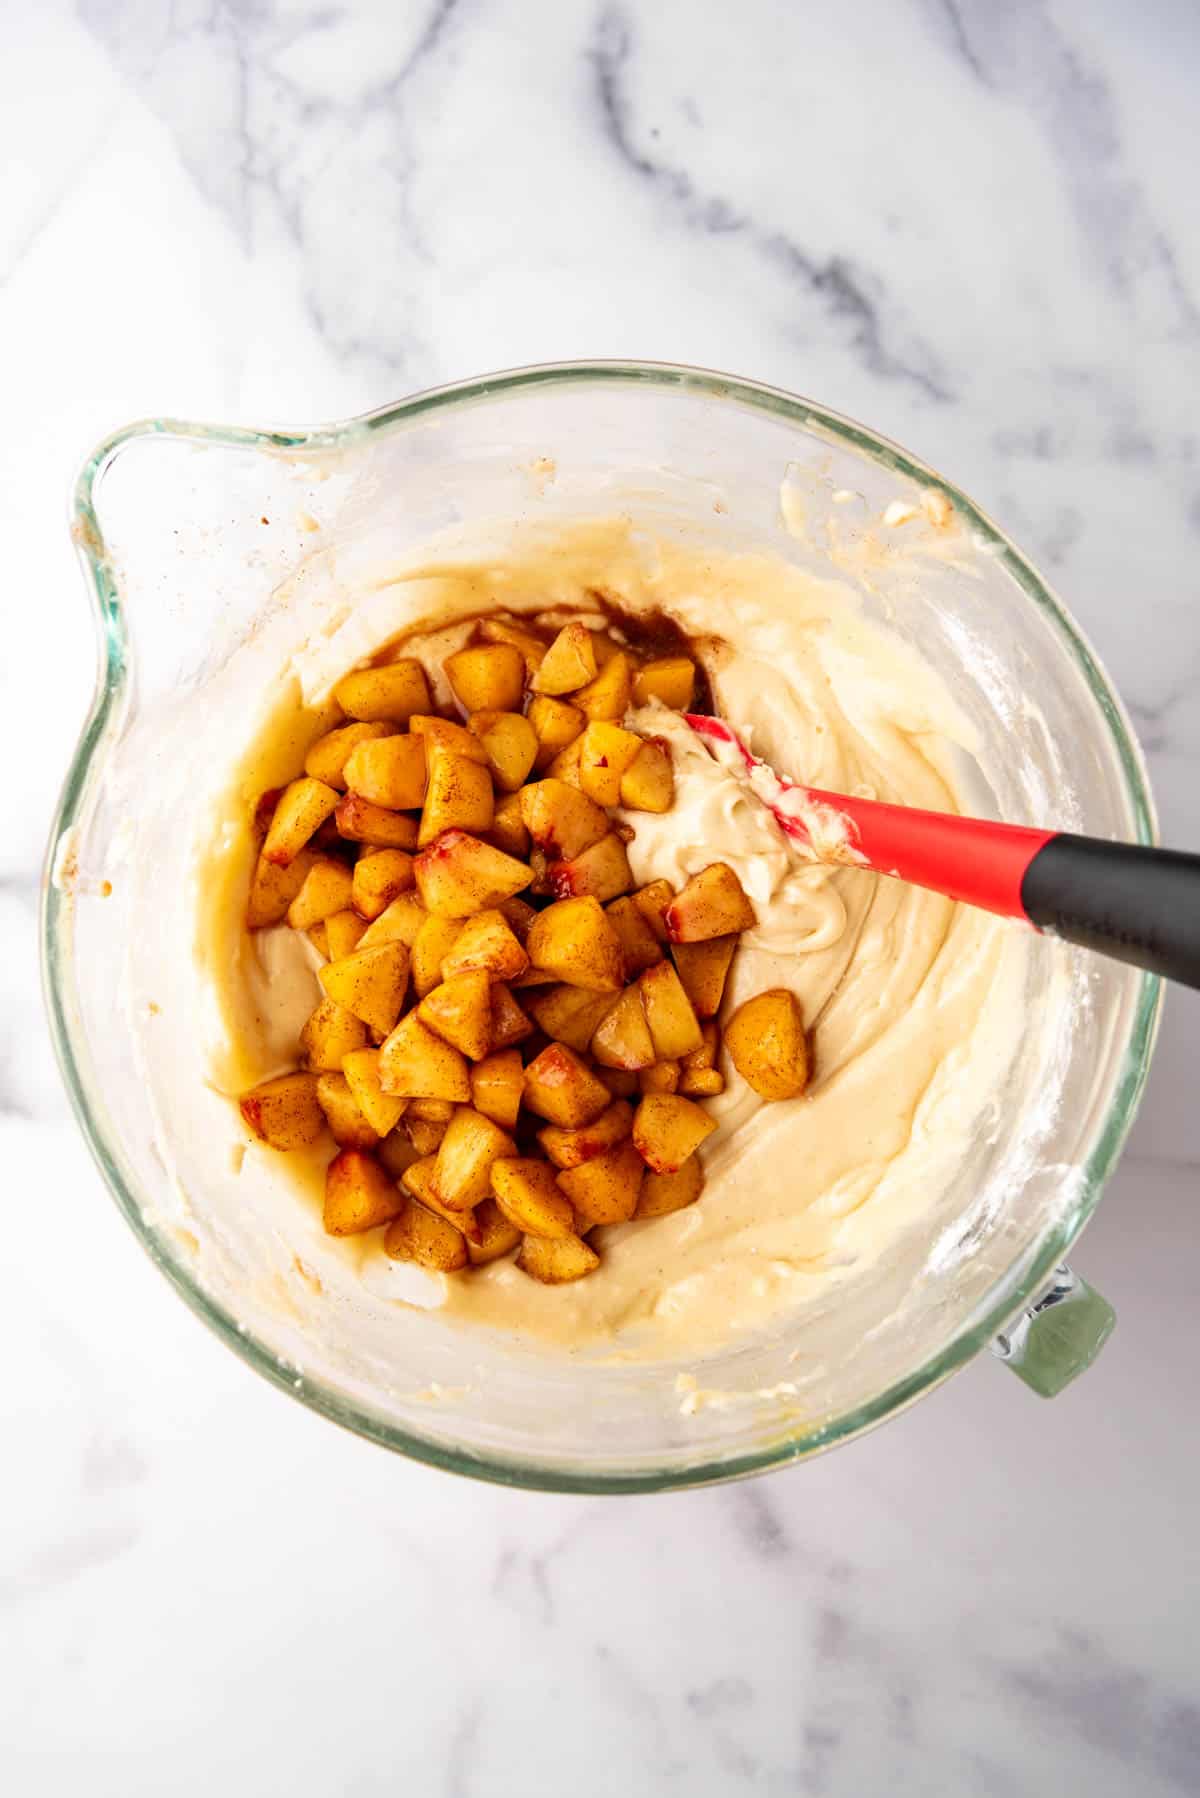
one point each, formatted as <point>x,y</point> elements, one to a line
<point>1007,1295</point>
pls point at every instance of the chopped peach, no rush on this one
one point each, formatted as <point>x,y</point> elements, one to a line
<point>497,1083</point>
<point>555,723</point>
<point>396,1153</point>
<point>391,771</point>
<point>568,1148</point>
<point>623,1040</point>
<point>574,941</point>
<point>503,630</point>
<point>622,1083</point>
<point>509,743</point>
<point>669,679</point>
<point>765,1040</point>
<point>432,1111</point>
<point>605,1188</point>
<point>433,943</point>
<point>652,901</point>
<point>508,830</point>
<point>343,932</point>
<point>273,888</point>
<point>488,678</point>
<point>424,1134</point>
<point>608,696</point>
<point>561,820</point>
<point>531,1198</point>
<point>565,765</point>
<point>569,1014</point>
<point>606,752</point>
<point>603,871</point>
<point>464,1160</point>
<point>285,1112</point>
<point>664,1193</point>
<point>414,1063</point>
<point>487,942</point>
<point>378,879</point>
<point>420,1178</point>
<point>556,1259</point>
<point>358,1194</point>
<point>663,1077</point>
<point>712,903</point>
<point>703,968</point>
<point>400,923</point>
<point>460,1011</point>
<point>509,1023</point>
<point>667,1129</point>
<point>706,1052</point>
<point>330,1034</point>
<point>370,983</point>
<point>425,1123</point>
<point>303,807</point>
<point>462,1221</point>
<point>458,875</point>
<point>604,647</point>
<point>327,888</point>
<point>639,945</point>
<point>327,757</point>
<point>518,914</point>
<point>421,1236</point>
<point>382,1111</point>
<point>348,1126</point>
<point>569,663</point>
<point>648,784</point>
<point>459,796</point>
<point>701,1083</point>
<point>533,977</point>
<point>361,822</point>
<point>319,939</point>
<point>392,692</point>
<point>496,1235</point>
<point>443,733</point>
<point>328,839</point>
<point>669,1013</point>
<point>563,1089</point>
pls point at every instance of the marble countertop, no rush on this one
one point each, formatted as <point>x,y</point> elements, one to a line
<point>972,223</point>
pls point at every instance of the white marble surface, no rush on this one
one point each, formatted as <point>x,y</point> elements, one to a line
<point>970,222</point>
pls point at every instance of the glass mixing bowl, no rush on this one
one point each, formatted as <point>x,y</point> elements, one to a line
<point>211,551</point>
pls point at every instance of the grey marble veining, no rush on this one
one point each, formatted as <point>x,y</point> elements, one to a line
<point>970,223</point>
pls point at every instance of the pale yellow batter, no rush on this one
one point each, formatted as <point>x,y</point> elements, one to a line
<point>912,1002</point>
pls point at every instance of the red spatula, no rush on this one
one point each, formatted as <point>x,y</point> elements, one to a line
<point>1140,905</point>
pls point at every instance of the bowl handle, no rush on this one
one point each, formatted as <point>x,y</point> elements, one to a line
<point>1058,1335</point>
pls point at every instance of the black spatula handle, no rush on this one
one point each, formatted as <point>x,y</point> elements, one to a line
<point>1140,905</point>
